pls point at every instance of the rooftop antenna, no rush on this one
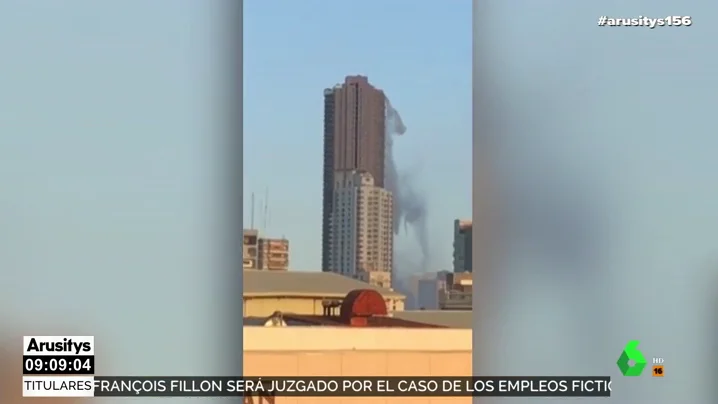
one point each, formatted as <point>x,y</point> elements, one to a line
<point>269,211</point>
<point>266,209</point>
<point>251,226</point>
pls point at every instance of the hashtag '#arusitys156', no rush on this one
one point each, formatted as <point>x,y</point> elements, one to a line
<point>647,22</point>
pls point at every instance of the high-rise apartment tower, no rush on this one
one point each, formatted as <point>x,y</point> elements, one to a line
<point>362,228</point>
<point>354,134</point>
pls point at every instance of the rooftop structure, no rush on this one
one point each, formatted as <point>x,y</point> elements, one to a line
<point>298,320</point>
<point>360,308</point>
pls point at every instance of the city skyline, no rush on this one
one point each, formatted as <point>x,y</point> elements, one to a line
<point>425,73</point>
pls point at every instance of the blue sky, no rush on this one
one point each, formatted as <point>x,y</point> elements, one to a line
<point>418,52</point>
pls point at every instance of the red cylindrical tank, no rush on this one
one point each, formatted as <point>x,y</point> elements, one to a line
<point>360,304</point>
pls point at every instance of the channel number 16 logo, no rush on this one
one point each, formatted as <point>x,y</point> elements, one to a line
<point>632,362</point>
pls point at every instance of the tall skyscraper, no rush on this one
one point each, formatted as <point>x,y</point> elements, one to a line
<point>354,139</point>
<point>362,228</point>
<point>463,230</point>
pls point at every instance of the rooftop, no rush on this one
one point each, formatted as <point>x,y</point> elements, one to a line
<point>298,320</point>
<point>360,308</point>
<point>445,318</point>
<point>304,283</point>
<point>464,222</point>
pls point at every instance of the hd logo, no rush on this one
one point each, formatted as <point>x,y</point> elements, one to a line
<point>58,345</point>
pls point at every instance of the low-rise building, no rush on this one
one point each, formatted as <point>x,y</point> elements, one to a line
<point>423,289</point>
<point>381,279</point>
<point>427,297</point>
<point>250,249</point>
<point>304,293</point>
<point>458,293</point>
<point>355,342</point>
<point>273,254</point>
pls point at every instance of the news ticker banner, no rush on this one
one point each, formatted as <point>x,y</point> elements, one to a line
<point>63,366</point>
<point>184,386</point>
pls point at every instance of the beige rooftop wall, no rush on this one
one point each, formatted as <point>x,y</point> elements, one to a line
<point>344,351</point>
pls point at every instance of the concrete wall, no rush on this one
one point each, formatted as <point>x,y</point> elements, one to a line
<point>266,306</point>
<point>328,351</point>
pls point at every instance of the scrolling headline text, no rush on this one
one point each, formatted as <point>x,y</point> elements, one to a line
<point>184,386</point>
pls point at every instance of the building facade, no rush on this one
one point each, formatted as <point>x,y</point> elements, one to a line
<point>458,292</point>
<point>423,290</point>
<point>362,227</point>
<point>250,249</point>
<point>427,296</point>
<point>463,230</point>
<point>357,338</point>
<point>381,279</point>
<point>264,253</point>
<point>351,351</point>
<point>354,139</point>
<point>273,254</point>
